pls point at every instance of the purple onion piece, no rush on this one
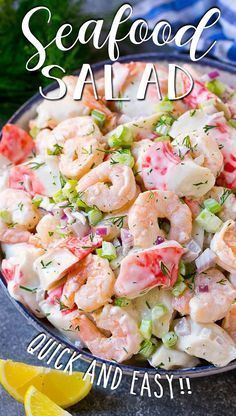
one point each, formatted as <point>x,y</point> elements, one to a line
<point>126,237</point>
<point>159,240</point>
<point>213,74</point>
<point>101,231</point>
<point>193,251</point>
<point>182,328</point>
<point>203,288</point>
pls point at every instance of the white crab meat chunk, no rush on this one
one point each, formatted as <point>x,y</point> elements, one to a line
<point>60,319</point>
<point>4,172</point>
<point>193,120</point>
<point>189,179</point>
<point>170,358</point>
<point>59,110</point>
<point>23,281</point>
<point>53,265</point>
<point>46,172</point>
<point>207,341</point>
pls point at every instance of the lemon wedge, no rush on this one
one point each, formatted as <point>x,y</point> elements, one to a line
<point>62,388</point>
<point>36,403</point>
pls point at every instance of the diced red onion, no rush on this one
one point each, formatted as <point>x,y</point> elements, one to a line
<point>159,240</point>
<point>79,344</point>
<point>127,240</point>
<point>206,260</point>
<point>219,340</point>
<point>198,234</point>
<point>213,74</point>
<point>126,237</point>
<point>102,231</point>
<point>79,216</point>
<point>63,216</point>
<point>203,288</point>
<point>193,251</point>
<point>69,215</point>
<point>205,332</point>
<point>182,328</point>
<point>80,229</point>
<point>210,76</point>
<point>232,278</point>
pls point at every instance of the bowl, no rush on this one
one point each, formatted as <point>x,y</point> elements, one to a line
<point>21,118</point>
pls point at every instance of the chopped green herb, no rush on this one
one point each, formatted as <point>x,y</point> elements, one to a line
<point>28,289</point>
<point>206,128</point>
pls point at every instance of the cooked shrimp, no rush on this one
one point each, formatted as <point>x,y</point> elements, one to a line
<point>46,231</point>
<point>17,216</point>
<point>152,205</point>
<point>50,113</point>
<point>124,340</point>
<point>213,297</point>
<point>90,285</point>
<point>142,270</point>
<point>91,102</point>
<point>71,128</point>
<point>202,144</point>
<point>79,156</point>
<point>224,246</point>
<point>229,323</point>
<point>108,186</point>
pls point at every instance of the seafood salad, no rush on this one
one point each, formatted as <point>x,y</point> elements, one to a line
<point>118,219</point>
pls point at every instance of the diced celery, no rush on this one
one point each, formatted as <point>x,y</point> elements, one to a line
<point>147,348</point>
<point>216,87</point>
<point>36,201</point>
<point>169,339</point>
<point>81,204</point>
<point>122,302</point>
<point>164,105</point>
<point>98,117</point>
<point>58,196</point>
<point>94,216</point>
<point>34,132</point>
<point>178,288</point>
<point>164,124</point>
<point>212,205</point>
<point>5,216</point>
<point>162,139</point>
<point>69,190</point>
<point>158,311</point>
<point>108,251</point>
<point>124,157</point>
<point>146,328</point>
<point>182,268</point>
<point>208,221</point>
<point>122,137</point>
<point>232,122</point>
